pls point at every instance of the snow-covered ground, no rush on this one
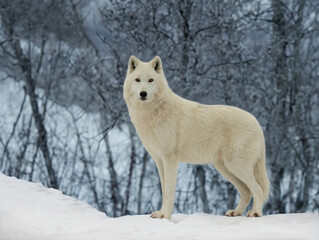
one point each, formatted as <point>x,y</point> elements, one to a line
<point>30,211</point>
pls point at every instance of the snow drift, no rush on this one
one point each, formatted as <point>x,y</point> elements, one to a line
<point>30,211</point>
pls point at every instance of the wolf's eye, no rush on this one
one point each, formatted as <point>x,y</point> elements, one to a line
<point>151,80</point>
<point>137,80</point>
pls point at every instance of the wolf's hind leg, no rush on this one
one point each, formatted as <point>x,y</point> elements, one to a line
<point>242,188</point>
<point>246,175</point>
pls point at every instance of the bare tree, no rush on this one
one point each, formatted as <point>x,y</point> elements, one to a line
<point>69,128</point>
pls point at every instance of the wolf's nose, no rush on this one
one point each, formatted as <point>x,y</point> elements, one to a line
<point>143,94</point>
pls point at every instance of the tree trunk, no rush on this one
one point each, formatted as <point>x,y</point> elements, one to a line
<point>115,198</point>
<point>278,127</point>
<point>200,175</point>
<point>139,196</point>
<point>129,181</point>
<point>25,66</point>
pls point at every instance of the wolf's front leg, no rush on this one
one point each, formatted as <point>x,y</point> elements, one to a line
<point>160,169</point>
<point>170,176</point>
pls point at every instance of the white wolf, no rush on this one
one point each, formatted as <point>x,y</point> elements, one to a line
<point>173,129</point>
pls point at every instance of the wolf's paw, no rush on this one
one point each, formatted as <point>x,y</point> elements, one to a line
<point>253,213</point>
<point>233,213</point>
<point>157,214</point>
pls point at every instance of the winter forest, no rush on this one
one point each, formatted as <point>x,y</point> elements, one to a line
<point>64,123</point>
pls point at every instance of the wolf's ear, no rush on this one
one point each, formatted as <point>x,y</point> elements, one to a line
<point>157,64</point>
<point>132,64</point>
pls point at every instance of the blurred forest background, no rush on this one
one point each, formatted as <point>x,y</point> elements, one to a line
<point>63,121</point>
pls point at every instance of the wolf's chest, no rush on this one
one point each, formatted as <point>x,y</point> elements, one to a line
<point>157,135</point>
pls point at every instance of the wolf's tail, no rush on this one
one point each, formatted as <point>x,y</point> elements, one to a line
<point>262,177</point>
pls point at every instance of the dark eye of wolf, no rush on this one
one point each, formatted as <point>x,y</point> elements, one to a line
<point>137,80</point>
<point>151,80</point>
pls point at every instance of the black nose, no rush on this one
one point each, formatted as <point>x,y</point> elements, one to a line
<point>143,94</point>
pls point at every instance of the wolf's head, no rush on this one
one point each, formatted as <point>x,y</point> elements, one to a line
<point>145,82</point>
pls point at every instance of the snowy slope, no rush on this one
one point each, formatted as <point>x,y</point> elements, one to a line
<point>31,211</point>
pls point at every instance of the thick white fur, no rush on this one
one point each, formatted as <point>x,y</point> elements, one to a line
<point>173,129</point>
